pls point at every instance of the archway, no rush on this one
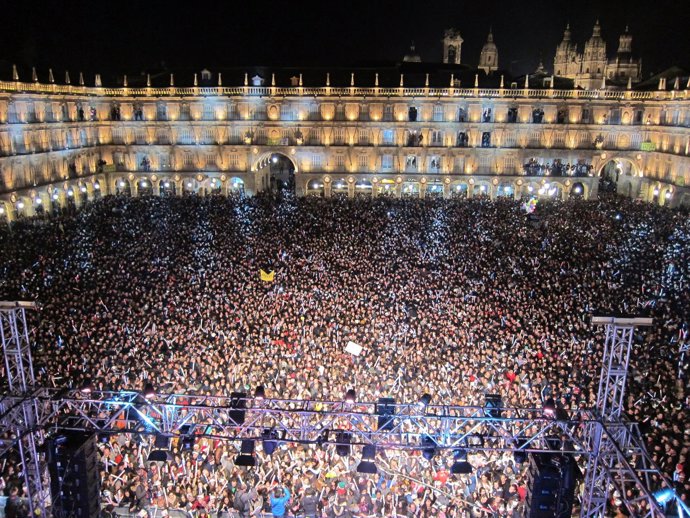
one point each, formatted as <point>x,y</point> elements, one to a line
<point>577,191</point>
<point>315,188</point>
<point>434,189</point>
<point>144,187</point>
<point>339,188</point>
<point>236,186</point>
<point>459,190</point>
<point>281,171</point>
<point>386,188</point>
<point>505,190</point>
<point>122,187</point>
<point>410,190</point>
<point>167,187</point>
<point>613,172</point>
<point>363,189</point>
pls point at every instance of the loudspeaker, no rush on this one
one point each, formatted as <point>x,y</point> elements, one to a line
<point>551,485</point>
<point>74,479</point>
<point>239,403</point>
<point>385,409</point>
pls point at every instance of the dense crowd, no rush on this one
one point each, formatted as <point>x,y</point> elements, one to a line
<point>452,298</point>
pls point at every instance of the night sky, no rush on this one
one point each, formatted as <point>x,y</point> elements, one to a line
<point>128,37</point>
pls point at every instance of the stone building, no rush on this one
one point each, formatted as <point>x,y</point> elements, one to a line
<point>488,58</point>
<point>591,68</point>
<point>63,144</point>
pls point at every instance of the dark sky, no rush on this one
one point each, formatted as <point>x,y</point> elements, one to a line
<point>126,37</point>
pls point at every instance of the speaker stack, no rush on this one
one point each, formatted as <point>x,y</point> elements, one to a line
<point>74,477</point>
<point>552,481</point>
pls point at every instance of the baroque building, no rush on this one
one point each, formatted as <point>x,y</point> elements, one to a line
<point>591,68</point>
<point>61,145</point>
<point>488,58</point>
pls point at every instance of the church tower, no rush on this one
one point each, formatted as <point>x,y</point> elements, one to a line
<point>594,60</point>
<point>452,46</point>
<point>624,66</point>
<point>488,59</point>
<point>567,60</point>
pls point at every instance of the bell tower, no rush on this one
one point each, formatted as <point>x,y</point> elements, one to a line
<point>452,46</point>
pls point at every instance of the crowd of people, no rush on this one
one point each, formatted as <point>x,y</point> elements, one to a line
<point>456,298</point>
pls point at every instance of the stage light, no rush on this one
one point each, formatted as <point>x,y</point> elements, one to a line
<point>428,447</point>
<point>618,216</point>
<point>350,397</point>
<point>342,447</point>
<point>577,189</point>
<point>82,188</point>
<point>269,438</point>
<point>70,193</point>
<point>166,184</point>
<point>260,393</point>
<point>460,465</point>
<point>148,392</point>
<point>238,401</point>
<point>322,439</point>
<point>274,159</point>
<point>246,457</point>
<point>38,201</point>
<point>187,434</point>
<point>425,400</point>
<point>367,465</point>
<point>122,183</point>
<point>664,496</point>
<point>56,196</point>
<point>20,205</point>
<point>492,405</point>
<point>550,407</point>
<point>668,195</point>
<point>97,186</point>
<point>656,192</point>
<point>87,387</point>
<point>159,456</point>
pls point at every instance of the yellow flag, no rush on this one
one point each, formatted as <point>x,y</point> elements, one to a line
<point>267,277</point>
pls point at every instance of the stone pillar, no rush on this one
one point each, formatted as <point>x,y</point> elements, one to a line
<point>327,189</point>
<point>156,187</point>
<point>398,190</point>
<point>350,189</point>
<point>422,191</point>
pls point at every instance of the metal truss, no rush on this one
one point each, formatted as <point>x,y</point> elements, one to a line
<point>16,347</point>
<point>19,415</point>
<point>611,447</point>
<point>618,457</point>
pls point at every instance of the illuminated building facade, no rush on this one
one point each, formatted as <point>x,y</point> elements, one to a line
<point>63,144</point>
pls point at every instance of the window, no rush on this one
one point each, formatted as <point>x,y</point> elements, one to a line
<point>438,112</point>
<point>388,137</point>
<point>509,165</point>
<point>316,162</point>
<point>209,135</point>
<point>234,161</point>
<point>434,164</point>
<point>411,162</point>
<point>339,136</point>
<point>363,137</point>
<point>363,162</point>
<point>188,160</point>
<point>486,139</point>
<point>164,160</point>
<point>436,138</point>
<point>340,161</point>
<point>388,113</point>
<point>412,114</point>
<point>387,162</point>
<point>186,136</point>
<point>208,112</point>
<point>287,113</point>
